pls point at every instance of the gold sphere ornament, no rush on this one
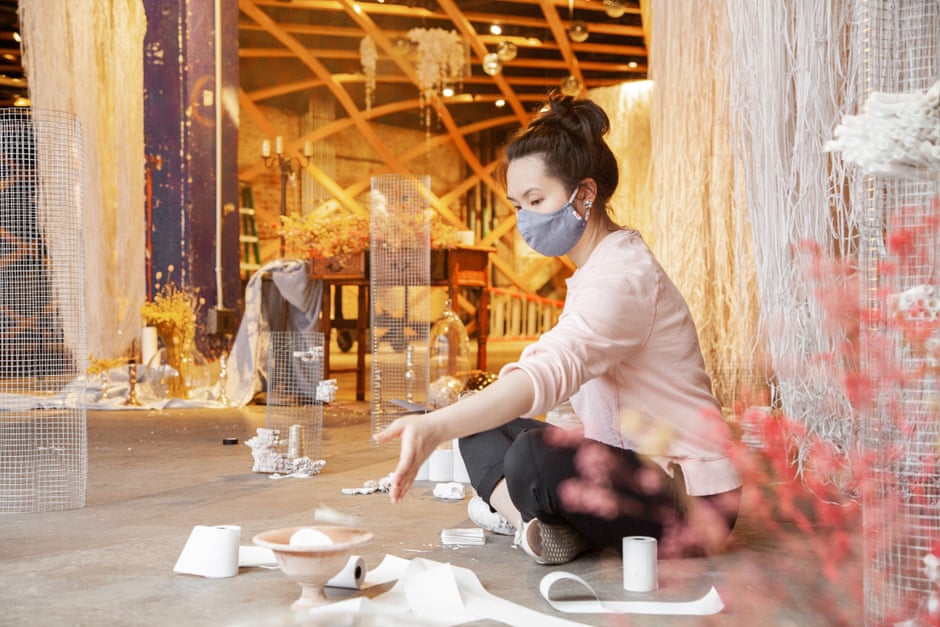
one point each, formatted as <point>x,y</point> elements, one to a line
<point>491,64</point>
<point>578,31</point>
<point>570,86</point>
<point>506,51</point>
<point>614,8</point>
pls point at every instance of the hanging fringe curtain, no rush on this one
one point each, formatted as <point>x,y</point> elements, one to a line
<point>85,57</point>
<point>628,106</point>
<point>701,236</point>
<point>793,75</point>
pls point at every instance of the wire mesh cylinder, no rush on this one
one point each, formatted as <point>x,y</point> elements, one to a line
<point>295,369</point>
<point>400,284</point>
<point>43,349</point>
<point>900,259</point>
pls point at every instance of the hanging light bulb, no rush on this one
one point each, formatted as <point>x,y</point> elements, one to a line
<point>491,64</point>
<point>578,31</point>
<point>570,86</point>
<point>614,8</point>
<point>506,51</point>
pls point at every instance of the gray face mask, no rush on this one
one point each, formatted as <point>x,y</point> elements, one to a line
<point>553,234</point>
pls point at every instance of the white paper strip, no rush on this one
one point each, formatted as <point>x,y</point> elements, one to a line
<point>441,595</point>
<point>709,604</point>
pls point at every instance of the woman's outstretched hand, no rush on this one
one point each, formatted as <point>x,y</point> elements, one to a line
<point>419,438</point>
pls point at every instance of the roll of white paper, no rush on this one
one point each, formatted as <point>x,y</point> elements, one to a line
<point>423,471</point>
<point>639,564</point>
<point>210,552</point>
<point>352,575</point>
<point>460,468</point>
<point>148,344</point>
<point>441,465</point>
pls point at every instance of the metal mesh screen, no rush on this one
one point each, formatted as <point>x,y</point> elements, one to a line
<point>43,447</point>
<point>400,284</point>
<point>899,270</point>
<point>295,369</point>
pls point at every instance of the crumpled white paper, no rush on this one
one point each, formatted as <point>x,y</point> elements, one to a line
<point>382,485</point>
<point>451,491</point>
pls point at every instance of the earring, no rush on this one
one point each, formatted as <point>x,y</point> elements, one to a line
<point>588,204</point>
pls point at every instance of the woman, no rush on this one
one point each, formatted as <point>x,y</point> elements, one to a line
<point>652,458</point>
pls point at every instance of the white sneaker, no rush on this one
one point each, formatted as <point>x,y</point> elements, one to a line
<point>485,518</point>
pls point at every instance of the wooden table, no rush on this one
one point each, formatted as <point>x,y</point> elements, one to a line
<point>464,266</point>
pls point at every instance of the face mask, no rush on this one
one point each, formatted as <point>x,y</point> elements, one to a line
<point>552,234</point>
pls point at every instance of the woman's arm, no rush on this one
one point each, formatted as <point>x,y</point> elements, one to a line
<point>495,405</point>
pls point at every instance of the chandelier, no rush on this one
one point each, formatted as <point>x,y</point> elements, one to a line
<point>443,61</point>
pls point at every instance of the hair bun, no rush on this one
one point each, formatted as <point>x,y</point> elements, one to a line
<point>581,118</point>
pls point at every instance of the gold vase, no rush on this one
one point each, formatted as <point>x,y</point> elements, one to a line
<point>176,353</point>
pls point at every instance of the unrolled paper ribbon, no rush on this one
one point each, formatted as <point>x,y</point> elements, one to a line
<point>210,552</point>
<point>436,594</point>
<point>709,604</point>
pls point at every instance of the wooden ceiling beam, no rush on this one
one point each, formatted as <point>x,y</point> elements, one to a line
<point>250,8</point>
<point>560,33</point>
<point>443,114</point>
<point>466,29</point>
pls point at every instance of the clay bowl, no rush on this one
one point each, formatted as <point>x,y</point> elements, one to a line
<point>312,566</point>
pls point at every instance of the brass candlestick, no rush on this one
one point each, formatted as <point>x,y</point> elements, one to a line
<point>132,399</point>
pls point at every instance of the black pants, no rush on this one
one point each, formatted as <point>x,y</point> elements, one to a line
<point>605,492</point>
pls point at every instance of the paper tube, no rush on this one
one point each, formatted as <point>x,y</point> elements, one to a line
<point>423,471</point>
<point>441,466</point>
<point>352,575</point>
<point>210,552</point>
<point>460,468</point>
<point>148,344</point>
<point>639,564</point>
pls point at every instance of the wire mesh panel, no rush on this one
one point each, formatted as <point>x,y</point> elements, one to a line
<point>295,369</point>
<point>400,284</point>
<point>43,350</point>
<point>901,343</point>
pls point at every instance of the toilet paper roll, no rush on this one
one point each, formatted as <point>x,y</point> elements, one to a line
<point>148,344</point>
<point>423,471</point>
<point>460,468</point>
<point>352,575</point>
<point>441,466</point>
<point>210,551</point>
<point>639,564</point>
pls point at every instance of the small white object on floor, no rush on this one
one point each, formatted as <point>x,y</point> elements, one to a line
<point>382,485</point>
<point>467,537</point>
<point>263,450</point>
<point>303,468</point>
<point>452,490</point>
<point>326,391</point>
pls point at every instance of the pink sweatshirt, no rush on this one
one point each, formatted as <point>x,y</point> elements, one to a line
<point>626,352</point>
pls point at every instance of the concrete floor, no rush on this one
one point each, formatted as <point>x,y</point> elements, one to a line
<point>153,475</point>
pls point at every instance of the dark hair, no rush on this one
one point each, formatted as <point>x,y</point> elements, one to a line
<point>569,134</point>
